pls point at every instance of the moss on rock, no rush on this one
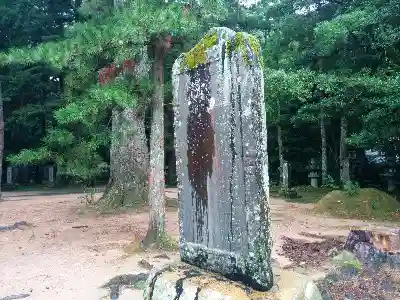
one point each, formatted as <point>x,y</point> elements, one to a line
<point>368,204</point>
<point>198,54</point>
<point>247,45</point>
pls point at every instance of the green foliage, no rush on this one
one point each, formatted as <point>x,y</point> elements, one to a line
<point>107,36</point>
<point>330,183</point>
<point>198,55</point>
<point>346,259</point>
<point>284,90</point>
<point>289,193</point>
<point>29,22</point>
<point>340,58</point>
<point>351,188</point>
<point>28,156</point>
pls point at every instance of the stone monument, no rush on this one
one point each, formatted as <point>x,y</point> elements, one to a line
<point>222,169</point>
<point>221,150</point>
<point>313,173</point>
<point>9,175</point>
<point>51,174</point>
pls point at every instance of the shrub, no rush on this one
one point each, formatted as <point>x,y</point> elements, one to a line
<point>288,193</point>
<point>351,188</point>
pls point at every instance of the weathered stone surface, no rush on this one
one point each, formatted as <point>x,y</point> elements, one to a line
<point>221,150</point>
<point>375,248</point>
<point>185,282</point>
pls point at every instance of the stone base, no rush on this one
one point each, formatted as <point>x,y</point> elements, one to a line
<point>184,282</point>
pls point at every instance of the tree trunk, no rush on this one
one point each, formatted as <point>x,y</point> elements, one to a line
<point>1,138</point>
<point>128,160</point>
<point>156,230</point>
<point>324,156</point>
<point>344,157</point>
<point>280,153</point>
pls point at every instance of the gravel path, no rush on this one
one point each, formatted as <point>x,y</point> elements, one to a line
<point>53,260</point>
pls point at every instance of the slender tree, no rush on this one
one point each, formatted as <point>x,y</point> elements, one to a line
<point>156,230</point>
<point>324,156</point>
<point>344,156</point>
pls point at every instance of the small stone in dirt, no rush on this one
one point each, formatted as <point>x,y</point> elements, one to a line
<point>162,256</point>
<point>145,264</point>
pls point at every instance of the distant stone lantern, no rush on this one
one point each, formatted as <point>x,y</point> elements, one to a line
<point>313,173</point>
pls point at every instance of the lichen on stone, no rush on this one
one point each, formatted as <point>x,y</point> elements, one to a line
<point>198,54</point>
<point>247,45</point>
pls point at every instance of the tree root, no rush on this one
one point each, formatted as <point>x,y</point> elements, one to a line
<point>159,241</point>
<point>117,197</point>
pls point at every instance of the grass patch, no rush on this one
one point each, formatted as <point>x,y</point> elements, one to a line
<point>307,194</point>
<point>368,204</point>
<point>168,243</point>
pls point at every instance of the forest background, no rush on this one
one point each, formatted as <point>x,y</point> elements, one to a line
<point>86,87</point>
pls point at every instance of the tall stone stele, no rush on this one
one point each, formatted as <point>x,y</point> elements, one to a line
<point>222,163</point>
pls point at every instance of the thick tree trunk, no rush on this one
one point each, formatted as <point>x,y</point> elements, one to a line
<point>324,156</point>
<point>1,138</point>
<point>280,153</point>
<point>156,230</point>
<point>128,160</point>
<point>344,157</point>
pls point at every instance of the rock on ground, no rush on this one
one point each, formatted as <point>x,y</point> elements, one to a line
<point>184,282</point>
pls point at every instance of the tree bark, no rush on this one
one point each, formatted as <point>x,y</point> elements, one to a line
<point>1,138</point>
<point>324,156</point>
<point>128,160</point>
<point>156,229</point>
<point>344,157</point>
<point>280,153</point>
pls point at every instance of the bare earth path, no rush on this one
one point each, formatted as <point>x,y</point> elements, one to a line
<point>53,260</point>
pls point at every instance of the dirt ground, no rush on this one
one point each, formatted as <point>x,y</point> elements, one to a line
<point>67,254</point>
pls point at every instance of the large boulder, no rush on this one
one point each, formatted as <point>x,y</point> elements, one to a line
<point>185,282</point>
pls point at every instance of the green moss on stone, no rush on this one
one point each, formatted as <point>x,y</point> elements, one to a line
<point>241,42</point>
<point>198,55</point>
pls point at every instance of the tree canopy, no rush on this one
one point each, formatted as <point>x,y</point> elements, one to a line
<point>338,58</point>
